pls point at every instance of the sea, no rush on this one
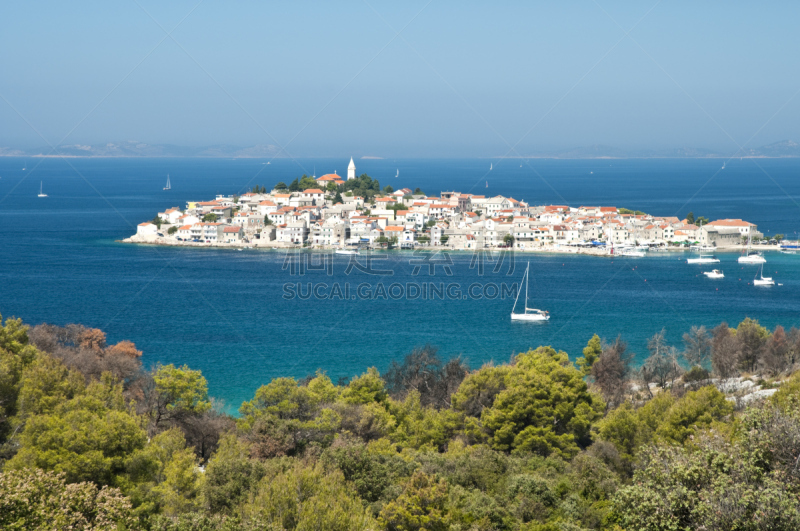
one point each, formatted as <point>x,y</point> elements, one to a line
<point>245,317</point>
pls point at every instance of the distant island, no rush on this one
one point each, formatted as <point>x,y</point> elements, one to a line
<point>782,149</point>
<point>350,212</point>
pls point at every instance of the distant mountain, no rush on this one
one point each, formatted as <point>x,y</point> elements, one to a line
<point>141,149</point>
<point>785,148</point>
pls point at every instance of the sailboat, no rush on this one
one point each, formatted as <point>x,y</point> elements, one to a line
<point>751,257</point>
<point>761,280</point>
<point>487,184</point>
<point>398,173</point>
<point>490,166</point>
<point>41,191</point>
<point>168,186</point>
<point>530,314</point>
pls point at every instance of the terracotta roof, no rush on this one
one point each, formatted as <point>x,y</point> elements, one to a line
<point>231,229</point>
<point>312,191</point>
<point>730,223</point>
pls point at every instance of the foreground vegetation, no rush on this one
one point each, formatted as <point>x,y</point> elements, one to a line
<point>91,440</point>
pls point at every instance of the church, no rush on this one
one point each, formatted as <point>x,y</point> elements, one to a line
<point>337,179</point>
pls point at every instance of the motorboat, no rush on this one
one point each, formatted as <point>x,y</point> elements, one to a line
<point>631,252</point>
<point>714,273</point>
<point>347,251</point>
<point>531,314</point>
<point>703,259</point>
<point>761,280</point>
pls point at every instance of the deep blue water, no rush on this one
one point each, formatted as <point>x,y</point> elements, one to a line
<point>224,311</point>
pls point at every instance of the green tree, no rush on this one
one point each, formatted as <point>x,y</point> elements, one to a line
<point>693,412</point>
<point>690,218</point>
<point>388,189</point>
<point>179,391</point>
<point>508,239</point>
<point>302,497</point>
<point>163,476</point>
<point>267,221</point>
<point>35,500</point>
<point>294,186</point>
<point>752,338</point>
<point>307,182</point>
<point>337,198</point>
<point>365,389</point>
<point>87,437</point>
<point>546,407</point>
<point>209,218</point>
<point>172,230</point>
<point>422,506</point>
<point>281,186</point>
<point>591,352</point>
<point>230,476</point>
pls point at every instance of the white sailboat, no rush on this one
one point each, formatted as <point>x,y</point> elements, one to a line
<point>168,186</point>
<point>751,257</point>
<point>490,166</point>
<point>530,314</point>
<point>41,191</point>
<point>398,173</point>
<point>761,280</point>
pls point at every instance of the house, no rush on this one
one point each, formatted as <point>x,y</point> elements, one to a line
<point>171,215</point>
<point>184,232</point>
<point>222,212</point>
<point>146,229</point>
<point>265,207</point>
<point>315,195</point>
<point>232,234</point>
<point>330,178</point>
<point>743,227</point>
<point>393,231</point>
<point>212,232</point>
<point>493,205</point>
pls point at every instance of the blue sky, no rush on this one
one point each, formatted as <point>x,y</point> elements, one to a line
<point>462,79</point>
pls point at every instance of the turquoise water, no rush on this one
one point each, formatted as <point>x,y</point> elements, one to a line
<point>226,312</point>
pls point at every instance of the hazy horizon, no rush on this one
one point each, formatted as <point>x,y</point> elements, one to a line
<point>460,80</point>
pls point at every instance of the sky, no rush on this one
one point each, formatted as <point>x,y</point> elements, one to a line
<point>400,79</point>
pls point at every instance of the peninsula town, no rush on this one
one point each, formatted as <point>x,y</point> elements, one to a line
<point>338,212</point>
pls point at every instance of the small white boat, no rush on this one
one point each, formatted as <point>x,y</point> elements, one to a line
<point>531,314</point>
<point>347,251</point>
<point>790,251</point>
<point>714,273</point>
<point>490,166</point>
<point>168,186</point>
<point>703,259</point>
<point>703,248</point>
<point>761,280</point>
<point>41,193</point>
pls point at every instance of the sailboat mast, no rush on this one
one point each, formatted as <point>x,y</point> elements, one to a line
<point>526,286</point>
